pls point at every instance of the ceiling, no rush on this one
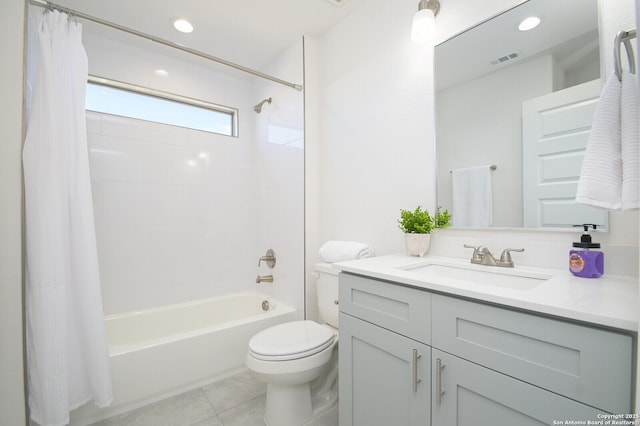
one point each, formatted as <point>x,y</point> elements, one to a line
<point>248,32</point>
<point>566,27</point>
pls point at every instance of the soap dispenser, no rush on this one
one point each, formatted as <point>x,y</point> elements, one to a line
<point>584,262</point>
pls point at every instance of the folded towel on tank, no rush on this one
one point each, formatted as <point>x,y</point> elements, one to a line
<point>338,251</point>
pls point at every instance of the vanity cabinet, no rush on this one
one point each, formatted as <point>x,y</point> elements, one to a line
<point>412,357</point>
<point>384,378</point>
<point>385,369</point>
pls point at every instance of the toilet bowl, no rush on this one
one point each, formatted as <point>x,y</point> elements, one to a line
<point>298,361</point>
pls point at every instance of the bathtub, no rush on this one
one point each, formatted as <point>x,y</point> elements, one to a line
<point>161,352</point>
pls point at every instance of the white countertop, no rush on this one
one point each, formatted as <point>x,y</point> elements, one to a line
<point>610,301</point>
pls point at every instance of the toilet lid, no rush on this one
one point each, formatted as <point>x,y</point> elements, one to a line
<point>290,340</point>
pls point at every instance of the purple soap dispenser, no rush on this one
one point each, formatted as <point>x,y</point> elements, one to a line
<point>584,262</point>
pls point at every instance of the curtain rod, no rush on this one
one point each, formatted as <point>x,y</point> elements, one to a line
<point>47,4</point>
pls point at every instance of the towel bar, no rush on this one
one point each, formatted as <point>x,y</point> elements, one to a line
<point>492,167</point>
<point>624,37</point>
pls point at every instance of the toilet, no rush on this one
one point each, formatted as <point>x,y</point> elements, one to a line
<point>299,360</point>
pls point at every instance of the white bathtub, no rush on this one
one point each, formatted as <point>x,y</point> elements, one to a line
<point>161,352</point>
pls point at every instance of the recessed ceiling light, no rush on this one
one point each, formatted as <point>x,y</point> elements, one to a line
<point>529,23</point>
<point>182,25</point>
<point>161,73</point>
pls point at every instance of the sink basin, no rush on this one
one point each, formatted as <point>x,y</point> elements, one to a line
<point>487,275</point>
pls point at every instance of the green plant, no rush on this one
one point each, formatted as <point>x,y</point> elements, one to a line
<point>442,219</point>
<point>415,222</point>
<point>420,221</point>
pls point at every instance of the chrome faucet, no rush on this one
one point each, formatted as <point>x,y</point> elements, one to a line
<point>483,256</point>
<point>505,258</point>
<point>264,279</point>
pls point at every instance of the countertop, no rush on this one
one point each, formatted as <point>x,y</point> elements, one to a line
<point>609,301</point>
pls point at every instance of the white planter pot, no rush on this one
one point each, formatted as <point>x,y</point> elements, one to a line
<point>417,244</point>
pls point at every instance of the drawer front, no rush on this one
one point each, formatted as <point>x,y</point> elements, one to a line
<point>590,365</point>
<point>404,310</point>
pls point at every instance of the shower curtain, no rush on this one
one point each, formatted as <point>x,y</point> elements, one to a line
<point>67,357</point>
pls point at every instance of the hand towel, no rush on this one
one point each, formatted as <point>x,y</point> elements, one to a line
<point>472,197</point>
<point>630,142</point>
<point>600,179</point>
<point>337,251</point>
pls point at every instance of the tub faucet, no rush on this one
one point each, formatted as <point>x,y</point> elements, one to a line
<point>269,257</point>
<point>264,279</point>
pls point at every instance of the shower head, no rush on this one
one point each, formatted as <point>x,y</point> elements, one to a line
<point>258,108</point>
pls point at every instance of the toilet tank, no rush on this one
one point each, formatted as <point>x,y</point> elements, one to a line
<point>327,287</point>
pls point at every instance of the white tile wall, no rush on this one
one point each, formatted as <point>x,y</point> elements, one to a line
<point>280,180</point>
<point>185,214</point>
<point>175,212</point>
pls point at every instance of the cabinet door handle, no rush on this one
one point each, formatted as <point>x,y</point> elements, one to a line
<point>439,391</point>
<point>416,357</point>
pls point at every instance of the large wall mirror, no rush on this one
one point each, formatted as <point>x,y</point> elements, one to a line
<point>521,101</point>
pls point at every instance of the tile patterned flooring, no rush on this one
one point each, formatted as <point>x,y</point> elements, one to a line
<point>236,401</point>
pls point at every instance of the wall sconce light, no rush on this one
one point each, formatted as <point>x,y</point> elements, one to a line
<point>424,22</point>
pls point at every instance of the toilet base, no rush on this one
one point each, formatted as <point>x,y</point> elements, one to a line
<point>288,404</point>
<point>295,404</point>
<point>302,404</point>
<point>292,406</point>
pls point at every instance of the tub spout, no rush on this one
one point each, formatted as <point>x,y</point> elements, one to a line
<point>264,279</point>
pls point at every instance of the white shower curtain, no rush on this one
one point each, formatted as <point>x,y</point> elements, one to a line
<point>67,353</point>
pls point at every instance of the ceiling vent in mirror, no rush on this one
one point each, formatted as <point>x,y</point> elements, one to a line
<point>505,58</point>
<point>337,2</point>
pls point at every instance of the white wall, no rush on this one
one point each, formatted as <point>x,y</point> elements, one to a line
<point>280,145</point>
<point>375,127</point>
<point>173,211</point>
<point>184,214</point>
<point>175,208</point>
<point>12,402</point>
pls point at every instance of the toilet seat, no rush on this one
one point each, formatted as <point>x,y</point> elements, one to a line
<point>291,340</point>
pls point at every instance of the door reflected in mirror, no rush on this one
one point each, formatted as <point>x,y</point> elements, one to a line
<point>522,101</point>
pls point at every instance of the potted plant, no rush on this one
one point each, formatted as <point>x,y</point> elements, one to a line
<point>418,225</point>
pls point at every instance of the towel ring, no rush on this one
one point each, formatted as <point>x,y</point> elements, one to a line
<point>624,37</point>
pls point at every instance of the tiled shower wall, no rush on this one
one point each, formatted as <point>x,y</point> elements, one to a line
<point>184,214</point>
<point>174,211</point>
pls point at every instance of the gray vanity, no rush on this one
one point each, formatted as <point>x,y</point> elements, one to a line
<point>421,348</point>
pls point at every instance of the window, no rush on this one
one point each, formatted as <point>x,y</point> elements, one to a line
<point>113,97</point>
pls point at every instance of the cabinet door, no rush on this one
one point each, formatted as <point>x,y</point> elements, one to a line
<point>384,377</point>
<point>471,395</point>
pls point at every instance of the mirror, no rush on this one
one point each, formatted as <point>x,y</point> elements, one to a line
<point>495,84</point>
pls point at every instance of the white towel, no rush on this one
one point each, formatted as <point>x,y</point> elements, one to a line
<point>630,150</point>
<point>600,180</point>
<point>610,176</point>
<point>472,194</point>
<point>338,251</point>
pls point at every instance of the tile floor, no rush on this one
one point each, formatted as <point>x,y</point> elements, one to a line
<point>236,401</point>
